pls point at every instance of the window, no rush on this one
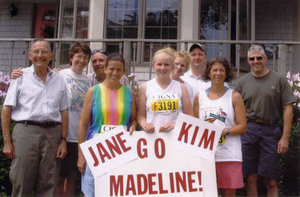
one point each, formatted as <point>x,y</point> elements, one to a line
<point>218,22</point>
<point>122,21</point>
<point>73,27</point>
<point>82,19</point>
<point>215,25</point>
<point>160,22</point>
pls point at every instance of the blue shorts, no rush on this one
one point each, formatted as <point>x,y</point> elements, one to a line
<point>87,183</point>
<point>259,147</point>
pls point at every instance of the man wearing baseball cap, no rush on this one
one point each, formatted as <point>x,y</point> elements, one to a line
<point>198,62</point>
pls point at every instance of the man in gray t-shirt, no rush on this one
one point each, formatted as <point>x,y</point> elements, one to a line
<point>267,95</point>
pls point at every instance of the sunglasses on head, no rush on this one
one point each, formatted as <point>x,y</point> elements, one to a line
<point>253,58</point>
<point>100,51</point>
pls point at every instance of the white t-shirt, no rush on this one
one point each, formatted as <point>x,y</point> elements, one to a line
<point>77,85</point>
<point>221,112</point>
<point>163,105</point>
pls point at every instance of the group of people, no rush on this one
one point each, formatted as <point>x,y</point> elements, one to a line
<point>55,112</point>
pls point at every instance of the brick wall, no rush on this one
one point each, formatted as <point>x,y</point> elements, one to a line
<point>18,26</point>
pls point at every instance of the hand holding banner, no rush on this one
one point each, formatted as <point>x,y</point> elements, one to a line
<point>108,151</point>
<point>196,137</point>
<point>159,171</point>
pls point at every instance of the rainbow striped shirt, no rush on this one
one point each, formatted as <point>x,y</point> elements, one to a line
<point>110,107</point>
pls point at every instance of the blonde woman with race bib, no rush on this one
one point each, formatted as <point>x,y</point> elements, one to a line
<point>161,99</point>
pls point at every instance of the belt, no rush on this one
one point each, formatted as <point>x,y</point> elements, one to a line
<point>266,122</point>
<point>41,124</point>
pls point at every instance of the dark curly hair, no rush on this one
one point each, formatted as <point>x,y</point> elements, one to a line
<point>77,48</point>
<point>228,68</point>
<point>115,57</point>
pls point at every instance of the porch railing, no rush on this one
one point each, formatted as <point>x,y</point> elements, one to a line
<point>282,53</point>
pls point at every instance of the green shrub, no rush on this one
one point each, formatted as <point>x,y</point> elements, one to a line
<point>289,180</point>
<point>5,163</point>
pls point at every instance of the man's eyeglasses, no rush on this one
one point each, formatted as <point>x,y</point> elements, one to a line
<point>253,58</point>
<point>100,51</point>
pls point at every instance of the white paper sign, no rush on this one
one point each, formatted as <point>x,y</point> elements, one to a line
<point>196,137</point>
<point>108,151</point>
<point>159,171</point>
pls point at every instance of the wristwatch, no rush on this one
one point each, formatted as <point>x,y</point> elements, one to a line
<point>63,138</point>
<point>227,131</point>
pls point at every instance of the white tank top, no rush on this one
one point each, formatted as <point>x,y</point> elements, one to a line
<point>163,105</point>
<point>221,112</point>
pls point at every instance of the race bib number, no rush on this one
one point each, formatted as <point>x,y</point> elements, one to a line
<point>164,105</point>
<point>222,139</point>
<point>106,128</point>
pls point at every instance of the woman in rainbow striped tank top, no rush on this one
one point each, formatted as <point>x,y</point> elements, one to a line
<point>107,103</point>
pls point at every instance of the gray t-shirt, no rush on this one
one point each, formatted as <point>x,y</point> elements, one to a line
<point>264,97</point>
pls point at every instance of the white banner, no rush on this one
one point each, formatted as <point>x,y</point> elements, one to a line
<point>108,151</point>
<point>196,137</point>
<point>159,171</point>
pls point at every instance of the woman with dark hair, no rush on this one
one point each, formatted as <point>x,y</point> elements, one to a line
<point>224,107</point>
<point>120,110</point>
<point>78,84</point>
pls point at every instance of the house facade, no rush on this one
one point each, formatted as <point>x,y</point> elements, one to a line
<point>137,28</point>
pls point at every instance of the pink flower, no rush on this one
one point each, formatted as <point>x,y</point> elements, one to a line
<point>296,77</point>
<point>6,79</point>
<point>288,75</point>
<point>132,75</point>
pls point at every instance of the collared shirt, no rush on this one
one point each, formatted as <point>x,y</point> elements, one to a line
<point>196,82</point>
<point>33,100</point>
<point>124,80</point>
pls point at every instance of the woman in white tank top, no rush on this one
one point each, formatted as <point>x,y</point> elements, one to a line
<point>161,99</point>
<point>224,107</point>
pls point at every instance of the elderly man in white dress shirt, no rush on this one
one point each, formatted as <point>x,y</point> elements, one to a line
<point>38,103</point>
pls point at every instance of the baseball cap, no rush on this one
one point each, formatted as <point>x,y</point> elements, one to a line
<point>197,45</point>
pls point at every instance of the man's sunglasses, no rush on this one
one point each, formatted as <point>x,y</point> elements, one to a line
<point>253,58</point>
<point>100,51</point>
